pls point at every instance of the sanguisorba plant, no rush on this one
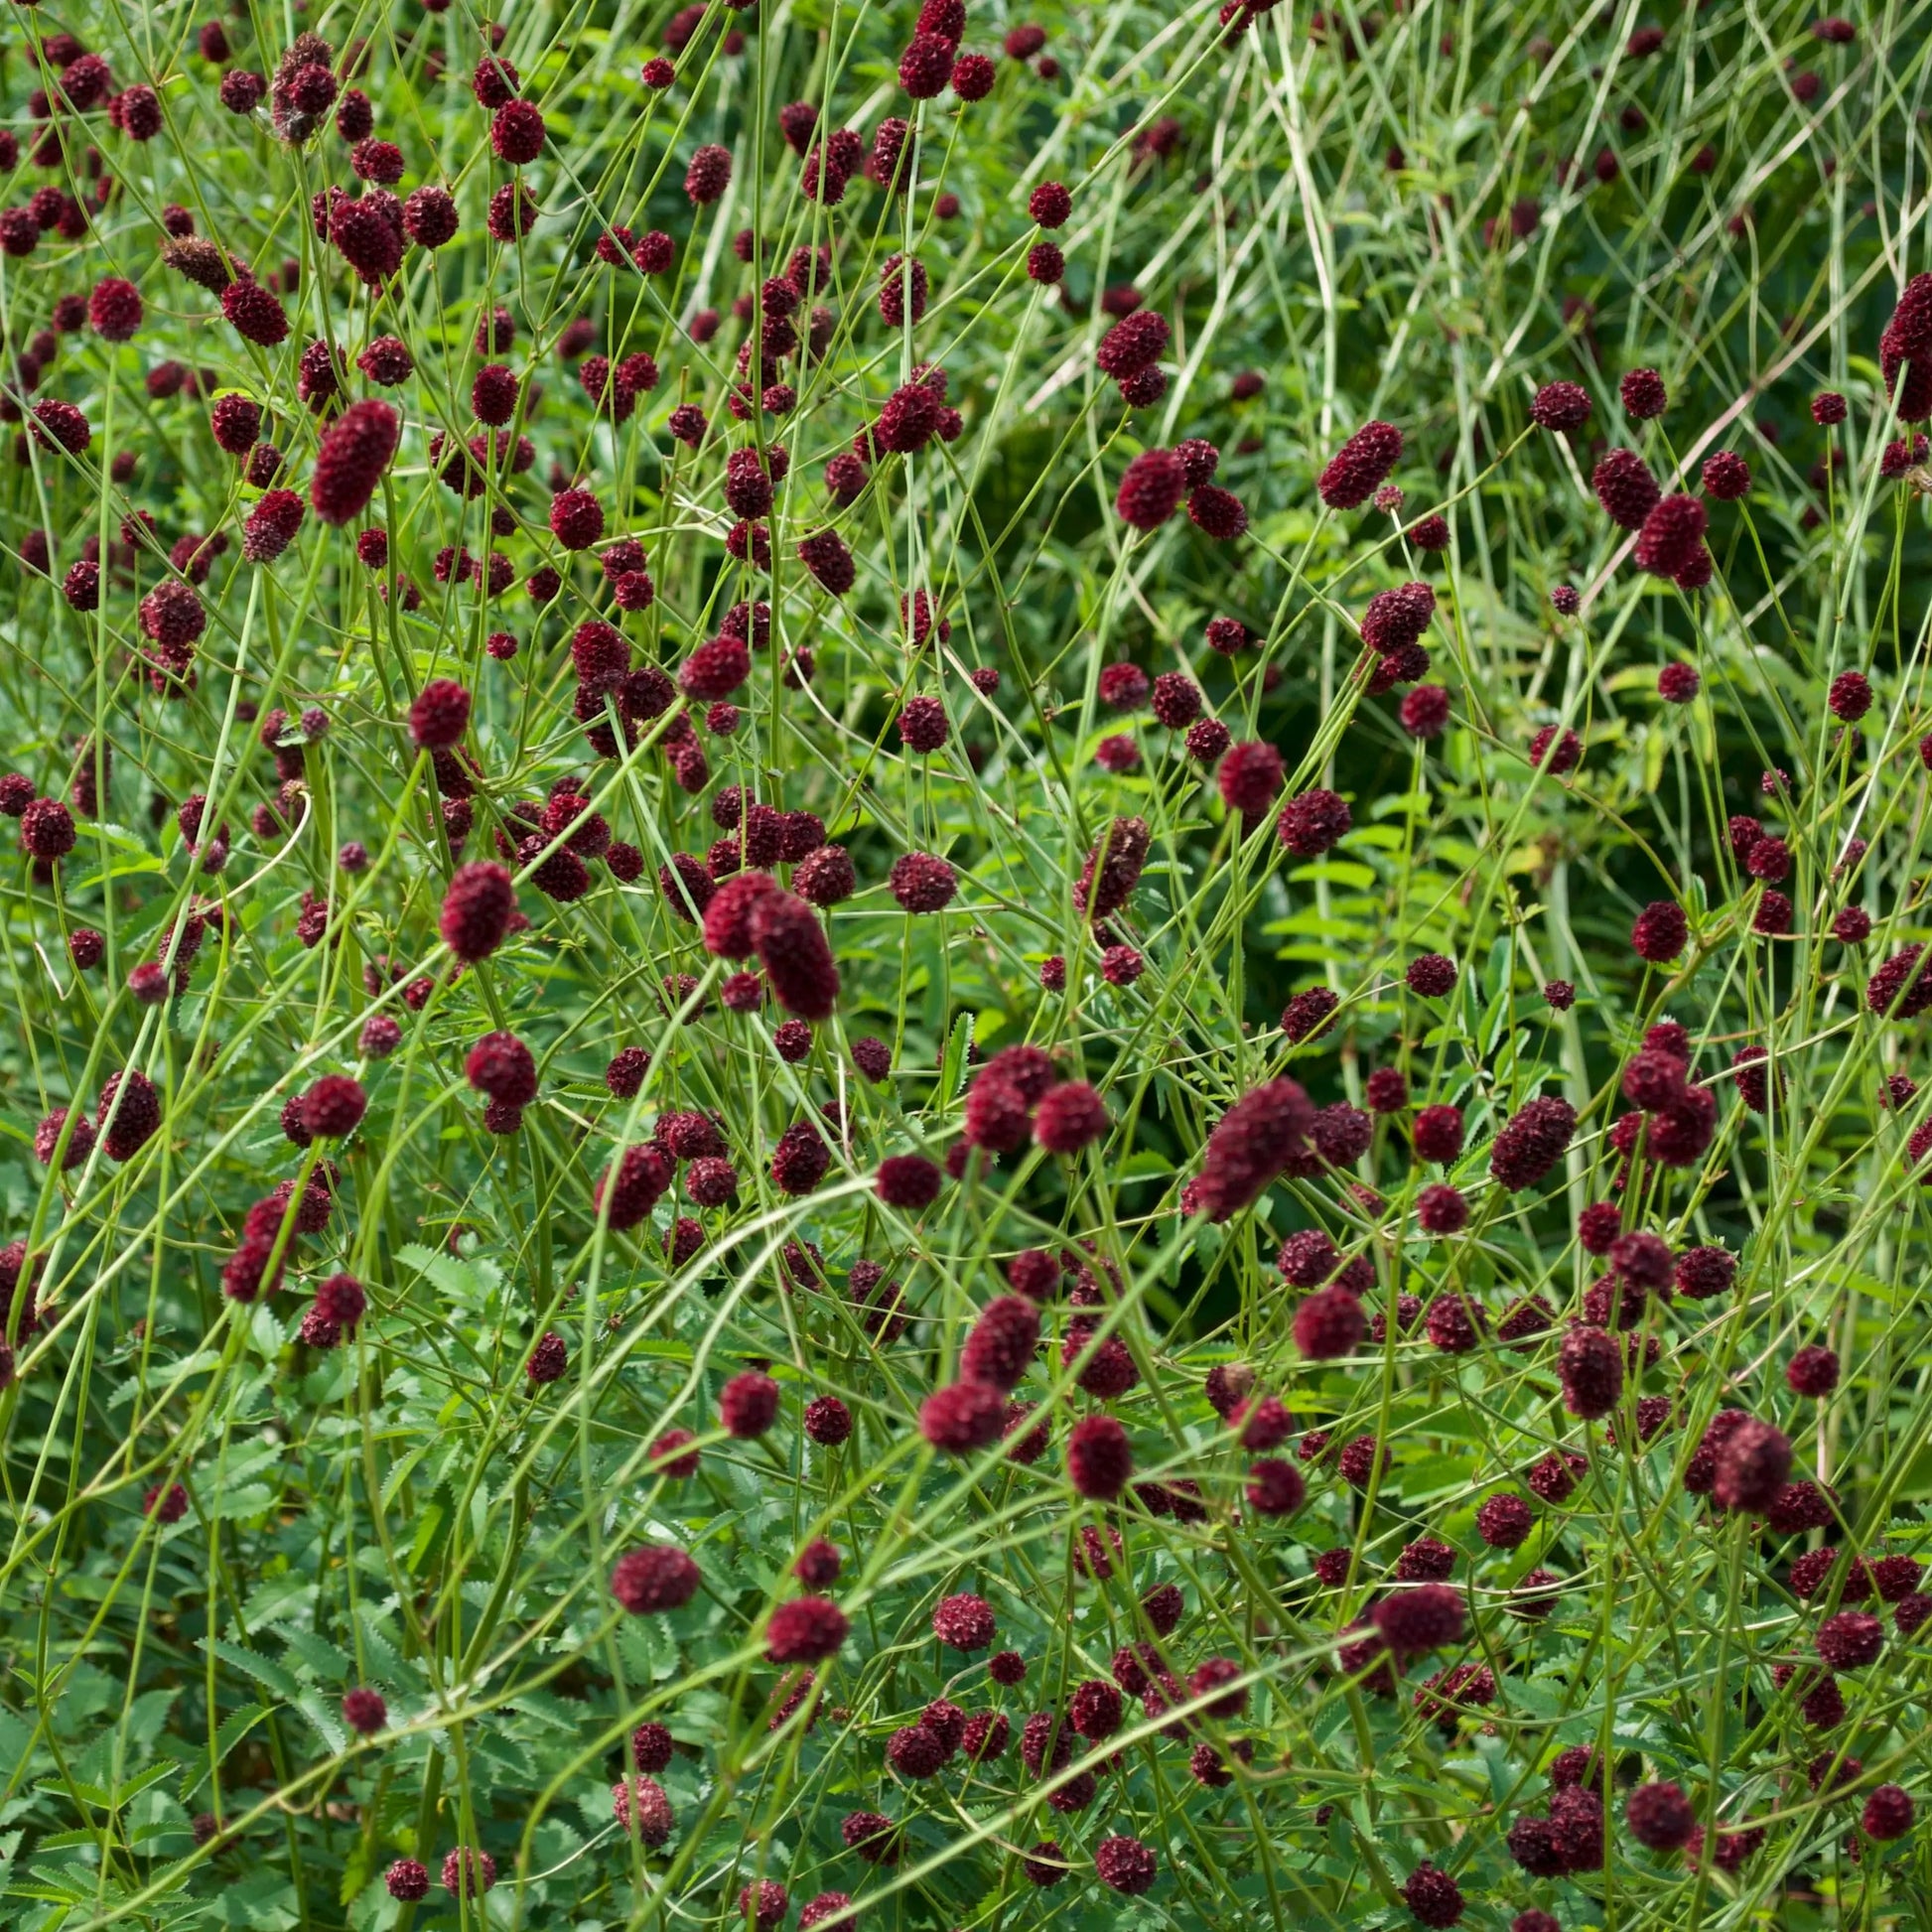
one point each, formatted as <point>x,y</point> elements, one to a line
<point>964,969</point>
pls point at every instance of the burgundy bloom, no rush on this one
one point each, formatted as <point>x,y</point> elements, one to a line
<point>1099,1460</point>
<point>1660,932</point>
<point>355,450</point>
<point>1562,407</point>
<point>908,1181</point>
<point>1624,487</point>
<point>708,176</point>
<point>1151,490</point>
<point>1329,1324</point>
<point>1672,536</point>
<point>1069,1117</point>
<point>1849,1640</point>
<point>1813,1372</point>
<point>1360,465</point>
<point>1126,1865</point>
<point>1726,477</point>
<point>964,1622</point>
<point>1888,1813</point>
<point>923,882</point>
<point>963,1418</point>
<point>440,715</point>
<point>1589,1365</point>
<point>792,948</point>
<point>477,910</point>
<point>653,1579</point>
<point>1642,391</point>
<point>1251,1144</point>
<point>1531,1142</point>
<point>1433,1898</point>
<point>1310,822</point>
<point>334,1106</point>
<point>1660,1816</point>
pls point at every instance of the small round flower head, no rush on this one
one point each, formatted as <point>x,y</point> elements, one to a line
<point>1504,1521</point>
<point>1565,601</point>
<point>440,715</point>
<point>548,1359</point>
<point>1752,1465</point>
<point>907,1181</point>
<point>47,830</point>
<point>576,519</point>
<point>1562,407</point>
<point>963,1417</point>
<point>817,1565</point>
<point>1441,1210</point>
<point>1069,1117</point>
<point>1217,513</point>
<point>1672,535</point>
<point>334,1106</point>
<point>1045,264</point>
<point>1361,467</point>
<point>964,1622</point>
<point>365,1712</point>
<point>1678,683</point>
<point>1556,750</point>
<point>1099,1459</point>
<point>748,1405</point>
<point>1625,489</point>
<point>827,1421</point>
<point>407,1881</point>
<point>1726,477</point>
<point>516,132</point>
<point>1433,1898</point>
<point>922,725</point>
<point>477,910</point>
<point>255,313</point>
<point>1589,1365</point>
<point>1151,490</point>
<point>923,882</point>
<point>502,1067</point>
<point>1386,1091</point>
<point>1850,697</point>
<point>1702,1273</point>
<point>653,1579</point>
<point>1660,1816</point>
<point>1126,1865</point>
<point>1532,1142</point>
<point>708,176</point>
<point>763,1905</point>
<point>1828,408</point>
<point>805,1630</point>
<point>1432,976</point>
<point>355,450</point>
<point>1888,1813</point>
<point>114,309</point>
<point>1813,1372</point>
<point>1438,1134</point>
<point>1849,1640</point>
<point>1428,1616</point>
<point>1424,711</point>
<point>1329,1324</point>
<point>1249,777</point>
<point>1660,932</point>
<point>1643,394</point>
<point>926,66</point>
<point>468,1872</point>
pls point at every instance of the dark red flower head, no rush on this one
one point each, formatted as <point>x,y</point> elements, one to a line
<point>1360,465</point>
<point>355,450</point>
<point>1560,406</point>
